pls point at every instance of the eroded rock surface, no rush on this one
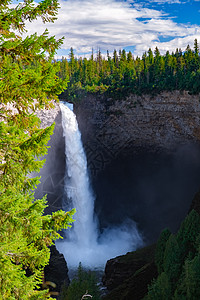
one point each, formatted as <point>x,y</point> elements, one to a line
<point>127,276</point>
<point>162,122</point>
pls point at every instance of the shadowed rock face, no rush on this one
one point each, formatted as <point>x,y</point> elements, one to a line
<point>53,172</point>
<point>56,271</point>
<point>127,277</point>
<point>143,157</point>
<point>153,189</point>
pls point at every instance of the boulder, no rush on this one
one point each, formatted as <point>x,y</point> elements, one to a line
<point>127,277</point>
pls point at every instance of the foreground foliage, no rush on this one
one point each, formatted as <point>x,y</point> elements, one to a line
<point>28,82</point>
<point>178,263</point>
<point>83,286</point>
<point>121,73</point>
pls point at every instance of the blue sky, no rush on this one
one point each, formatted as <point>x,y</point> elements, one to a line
<point>124,24</point>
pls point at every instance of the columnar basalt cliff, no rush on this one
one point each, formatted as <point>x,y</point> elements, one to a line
<point>160,123</point>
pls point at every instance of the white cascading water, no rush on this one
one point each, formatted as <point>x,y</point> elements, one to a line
<point>83,242</point>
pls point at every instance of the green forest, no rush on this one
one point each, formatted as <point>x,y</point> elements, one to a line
<point>178,263</point>
<point>121,73</point>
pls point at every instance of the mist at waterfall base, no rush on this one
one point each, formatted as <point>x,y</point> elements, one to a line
<point>83,242</point>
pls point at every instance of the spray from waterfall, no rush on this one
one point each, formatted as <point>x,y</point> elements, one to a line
<point>83,242</point>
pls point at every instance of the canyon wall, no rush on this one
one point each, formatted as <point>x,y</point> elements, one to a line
<point>144,160</point>
<point>143,156</point>
<point>160,123</point>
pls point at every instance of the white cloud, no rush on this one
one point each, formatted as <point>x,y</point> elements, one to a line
<point>88,24</point>
<point>169,1</point>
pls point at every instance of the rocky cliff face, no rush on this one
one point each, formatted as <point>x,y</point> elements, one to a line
<point>160,123</point>
<point>53,172</point>
<point>127,277</point>
<point>143,156</point>
<point>112,129</point>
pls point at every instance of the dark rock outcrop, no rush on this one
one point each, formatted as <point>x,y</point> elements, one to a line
<point>127,277</point>
<point>56,271</point>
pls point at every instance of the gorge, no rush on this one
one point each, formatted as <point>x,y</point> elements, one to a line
<point>143,159</point>
<point>84,243</point>
<point>143,155</point>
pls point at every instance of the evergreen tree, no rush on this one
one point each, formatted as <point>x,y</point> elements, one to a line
<point>115,58</point>
<point>190,281</point>
<point>160,249</point>
<point>150,56</point>
<point>124,74</point>
<point>64,69</point>
<point>129,57</point>
<point>28,81</point>
<point>196,47</point>
<point>173,260</point>
<point>178,261</point>
<point>123,55</point>
<point>84,282</point>
<point>71,61</point>
<point>188,234</point>
<point>160,289</point>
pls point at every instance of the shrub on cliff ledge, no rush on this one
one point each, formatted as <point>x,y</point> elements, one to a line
<point>26,74</point>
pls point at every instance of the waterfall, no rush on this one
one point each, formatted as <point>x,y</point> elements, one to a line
<point>83,243</point>
<point>76,183</point>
